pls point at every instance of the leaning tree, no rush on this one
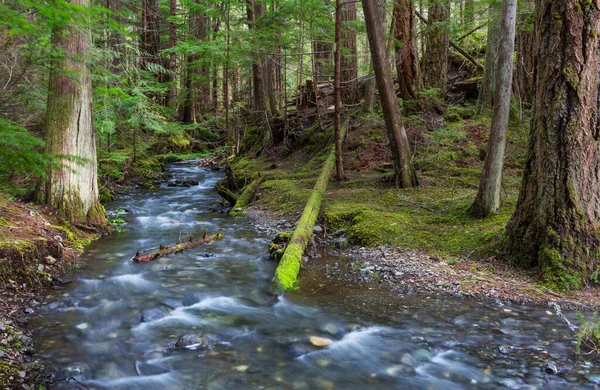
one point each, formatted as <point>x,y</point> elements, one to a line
<point>72,187</point>
<point>555,225</point>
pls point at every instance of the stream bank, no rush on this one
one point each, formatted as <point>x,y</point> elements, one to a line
<point>122,325</point>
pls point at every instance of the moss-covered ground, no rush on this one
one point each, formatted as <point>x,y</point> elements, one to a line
<point>432,218</point>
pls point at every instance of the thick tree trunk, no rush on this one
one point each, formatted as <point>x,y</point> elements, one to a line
<point>523,84</point>
<point>488,197</point>
<point>404,171</point>
<point>72,190</point>
<point>407,59</point>
<point>488,82</point>
<point>435,58</point>
<point>349,60</point>
<point>337,78</point>
<point>555,226</point>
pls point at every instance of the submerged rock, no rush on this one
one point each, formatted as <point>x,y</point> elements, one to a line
<point>421,355</point>
<point>195,340</point>
<point>320,341</point>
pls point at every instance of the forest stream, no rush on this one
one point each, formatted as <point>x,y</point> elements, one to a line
<point>116,325</point>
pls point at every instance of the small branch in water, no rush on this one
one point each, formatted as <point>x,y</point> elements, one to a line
<point>169,250</point>
<point>560,315</point>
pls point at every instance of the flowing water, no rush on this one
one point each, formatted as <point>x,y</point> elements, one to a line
<point>116,325</point>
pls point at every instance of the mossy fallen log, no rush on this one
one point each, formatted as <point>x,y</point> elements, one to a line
<point>169,250</point>
<point>286,274</point>
<point>246,197</point>
<point>226,194</point>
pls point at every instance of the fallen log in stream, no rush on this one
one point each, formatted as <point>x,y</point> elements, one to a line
<point>286,274</point>
<point>169,250</point>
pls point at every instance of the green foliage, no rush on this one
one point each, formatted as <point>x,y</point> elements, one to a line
<point>20,152</point>
<point>588,335</point>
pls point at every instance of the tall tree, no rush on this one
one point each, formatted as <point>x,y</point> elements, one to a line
<point>435,58</point>
<point>349,59</point>
<point>337,78</point>
<point>404,172</point>
<point>150,39</point>
<point>73,188</point>
<point>488,197</point>
<point>172,98</point>
<point>407,59</point>
<point>555,225</point>
<point>523,84</point>
<point>258,85</point>
<point>488,82</point>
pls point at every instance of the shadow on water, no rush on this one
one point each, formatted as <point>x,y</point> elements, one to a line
<point>119,319</point>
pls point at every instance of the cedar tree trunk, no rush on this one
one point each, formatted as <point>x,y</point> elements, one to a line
<point>555,225</point>
<point>72,190</point>
<point>407,60</point>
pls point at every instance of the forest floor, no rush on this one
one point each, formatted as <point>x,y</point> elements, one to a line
<point>36,247</point>
<point>419,240</point>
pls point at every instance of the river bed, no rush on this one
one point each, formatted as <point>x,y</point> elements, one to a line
<point>116,325</point>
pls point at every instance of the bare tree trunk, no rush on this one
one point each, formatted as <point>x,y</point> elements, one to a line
<point>469,14</point>
<point>407,59</point>
<point>523,84</point>
<point>72,190</point>
<point>555,225</point>
<point>258,85</point>
<point>488,197</point>
<point>349,60</point>
<point>172,99</point>
<point>337,77</point>
<point>322,56</point>
<point>488,83</point>
<point>404,171</point>
<point>435,58</point>
<point>150,42</point>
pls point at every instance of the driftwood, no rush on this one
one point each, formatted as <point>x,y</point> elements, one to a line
<point>169,250</point>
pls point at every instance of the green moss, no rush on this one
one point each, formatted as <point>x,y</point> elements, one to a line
<point>286,274</point>
<point>554,272</point>
<point>572,78</point>
<point>247,196</point>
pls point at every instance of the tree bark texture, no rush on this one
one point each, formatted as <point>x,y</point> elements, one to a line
<point>72,190</point>
<point>488,82</point>
<point>488,197</point>
<point>404,171</point>
<point>435,58</point>
<point>555,225</point>
<point>407,59</point>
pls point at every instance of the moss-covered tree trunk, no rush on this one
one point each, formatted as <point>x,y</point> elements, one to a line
<point>555,225</point>
<point>435,58</point>
<point>407,59</point>
<point>404,172</point>
<point>72,190</point>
